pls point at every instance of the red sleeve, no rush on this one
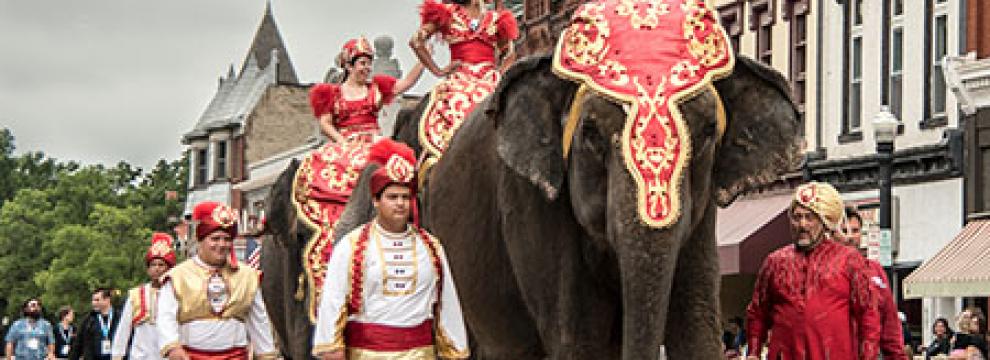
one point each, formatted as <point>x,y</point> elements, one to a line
<point>864,306</point>
<point>507,27</point>
<point>386,87</point>
<point>432,12</point>
<point>891,335</point>
<point>758,311</point>
<point>322,97</point>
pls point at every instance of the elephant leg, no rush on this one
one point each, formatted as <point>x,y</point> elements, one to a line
<point>695,301</point>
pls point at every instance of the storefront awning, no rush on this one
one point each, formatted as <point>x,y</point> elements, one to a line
<point>961,268</point>
<point>749,229</point>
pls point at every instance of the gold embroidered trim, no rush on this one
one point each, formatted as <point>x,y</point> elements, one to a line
<point>446,348</point>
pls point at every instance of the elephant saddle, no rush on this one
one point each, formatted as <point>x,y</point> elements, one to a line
<point>649,55</point>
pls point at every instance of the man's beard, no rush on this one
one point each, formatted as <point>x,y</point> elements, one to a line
<point>34,314</point>
<point>811,244</point>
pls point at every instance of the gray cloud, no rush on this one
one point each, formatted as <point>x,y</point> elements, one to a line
<point>110,80</point>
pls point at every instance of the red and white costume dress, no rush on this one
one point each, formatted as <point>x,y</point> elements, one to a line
<point>213,313</point>
<point>473,42</point>
<point>390,296</point>
<point>326,177</point>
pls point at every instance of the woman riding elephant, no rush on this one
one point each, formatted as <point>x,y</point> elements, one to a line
<point>348,116</point>
<point>477,38</point>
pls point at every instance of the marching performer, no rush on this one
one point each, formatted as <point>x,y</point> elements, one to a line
<point>138,317</point>
<point>210,307</point>
<point>389,292</point>
<point>477,38</point>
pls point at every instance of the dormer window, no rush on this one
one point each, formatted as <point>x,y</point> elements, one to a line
<point>220,163</point>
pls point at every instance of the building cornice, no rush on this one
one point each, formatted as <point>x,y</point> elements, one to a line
<point>913,165</point>
<point>969,79</point>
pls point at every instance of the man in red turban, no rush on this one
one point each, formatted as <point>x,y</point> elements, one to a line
<point>814,296</point>
<point>210,307</point>
<point>388,292</point>
<point>137,319</point>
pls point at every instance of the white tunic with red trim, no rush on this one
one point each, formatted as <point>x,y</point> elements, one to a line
<point>398,291</point>
<point>139,316</point>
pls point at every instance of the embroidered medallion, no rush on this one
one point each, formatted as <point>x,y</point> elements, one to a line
<point>216,293</point>
<point>651,55</point>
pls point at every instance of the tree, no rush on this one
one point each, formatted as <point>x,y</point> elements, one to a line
<point>66,229</point>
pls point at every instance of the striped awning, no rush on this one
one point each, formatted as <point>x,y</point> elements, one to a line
<point>960,269</point>
<point>749,229</point>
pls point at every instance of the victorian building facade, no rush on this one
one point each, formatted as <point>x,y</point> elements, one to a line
<point>257,114</point>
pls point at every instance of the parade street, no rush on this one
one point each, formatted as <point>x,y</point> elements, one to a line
<point>495,179</point>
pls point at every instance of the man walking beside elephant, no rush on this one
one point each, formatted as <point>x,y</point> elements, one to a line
<point>814,295</point>
<point>388,293</point>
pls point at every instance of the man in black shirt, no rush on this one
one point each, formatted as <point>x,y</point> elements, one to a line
<point>97,329</point>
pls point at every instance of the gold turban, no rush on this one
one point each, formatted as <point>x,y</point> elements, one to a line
<point>822,199</point>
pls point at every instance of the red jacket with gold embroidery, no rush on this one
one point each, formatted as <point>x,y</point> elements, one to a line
<point>814,304</point>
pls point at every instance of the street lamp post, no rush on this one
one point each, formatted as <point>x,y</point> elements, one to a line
<point>885,131</point>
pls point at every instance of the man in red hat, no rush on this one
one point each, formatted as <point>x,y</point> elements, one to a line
<point>209,306</point>
<point>138,317</point>
<point>388,292</point>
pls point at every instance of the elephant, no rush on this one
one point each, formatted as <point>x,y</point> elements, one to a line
<point>281,260</point>
<point>547,251</point>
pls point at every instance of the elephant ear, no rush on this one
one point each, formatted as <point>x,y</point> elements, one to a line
<point>762,139</point>
<point>527,107</point>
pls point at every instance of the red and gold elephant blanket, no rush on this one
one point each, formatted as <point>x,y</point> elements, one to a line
<point>650,55</point>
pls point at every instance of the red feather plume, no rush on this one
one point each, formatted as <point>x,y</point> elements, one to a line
<point>383,149</point>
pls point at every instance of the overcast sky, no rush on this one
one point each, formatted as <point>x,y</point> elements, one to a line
<point>101,81</point>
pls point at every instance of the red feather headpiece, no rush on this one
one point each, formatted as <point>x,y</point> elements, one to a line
<point>161,248</point>
<point>354,48</point>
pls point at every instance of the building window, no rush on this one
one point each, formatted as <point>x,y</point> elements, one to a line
<point>200,169</point>
<point>896,57</point>
<point>762,23</point>
<point>732,20</point>
<point>220,169</point>
<point>852,71</point>
<point>938,48</point>
<point>797,15</point>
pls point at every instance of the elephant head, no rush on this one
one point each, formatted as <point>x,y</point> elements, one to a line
<point>759,141</point>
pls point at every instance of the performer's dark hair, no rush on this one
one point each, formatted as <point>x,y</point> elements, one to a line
<point>853,213</point>
<point>63,312</point>
<point>351,62</point>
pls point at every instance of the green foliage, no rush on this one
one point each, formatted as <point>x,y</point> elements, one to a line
<point>66,229</point>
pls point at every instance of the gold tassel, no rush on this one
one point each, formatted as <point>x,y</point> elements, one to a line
<point>300,293</point>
